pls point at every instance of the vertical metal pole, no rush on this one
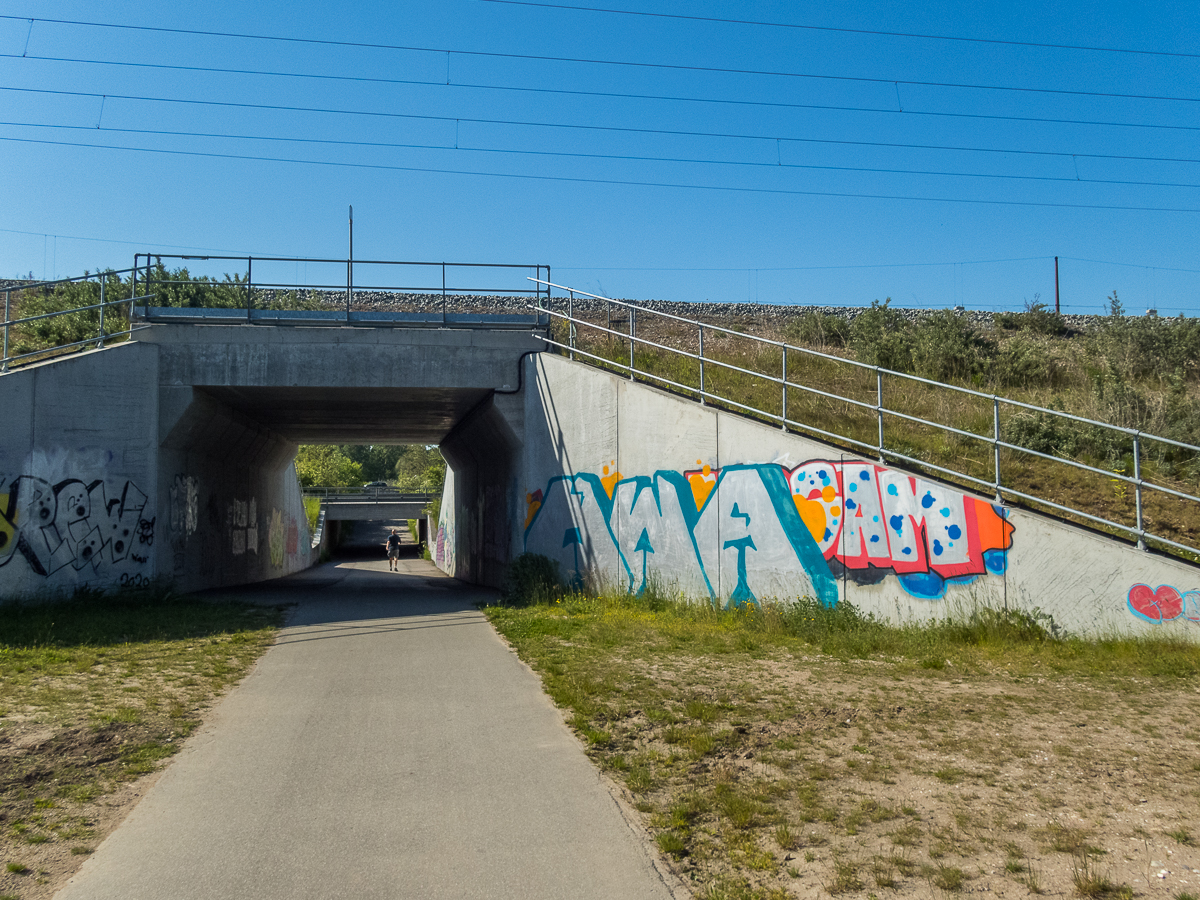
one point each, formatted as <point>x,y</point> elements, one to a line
<point>7,316</point>
<point>879,408</point>
<point>99,344</point>
<point>1137,475</point>
<point>350,268</point>
<point>571,323</point>
<point>785,387</point>
<point>996,442</point>
<point>1056,310</point>
<point>703,401</point>
<point>443,293</point>
<point>632,332</point>
<point>249,277</point>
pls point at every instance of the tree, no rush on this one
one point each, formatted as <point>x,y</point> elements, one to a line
<point>326,465</point>
<point>421,469</point>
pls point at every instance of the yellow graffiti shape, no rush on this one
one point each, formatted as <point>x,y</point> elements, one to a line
<point>702,483</point>
<point>8,530</point>
<point>533,504</point>
<point>610,481</point>
<point>812,514</point>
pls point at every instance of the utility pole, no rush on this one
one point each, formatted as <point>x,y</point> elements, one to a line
<point>1056,310</point>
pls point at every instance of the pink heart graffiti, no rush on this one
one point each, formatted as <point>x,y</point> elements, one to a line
<point>1155,605</point>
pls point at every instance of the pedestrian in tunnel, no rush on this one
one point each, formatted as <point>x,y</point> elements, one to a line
<point>393,549</point>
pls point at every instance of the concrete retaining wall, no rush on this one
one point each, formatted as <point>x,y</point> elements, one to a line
<point>627,485</point>
<point>110,477</point>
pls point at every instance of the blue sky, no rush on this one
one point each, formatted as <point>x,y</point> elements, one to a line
<point>837,154</point>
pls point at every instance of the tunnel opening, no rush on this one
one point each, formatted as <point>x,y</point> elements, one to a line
<point>239,439</point>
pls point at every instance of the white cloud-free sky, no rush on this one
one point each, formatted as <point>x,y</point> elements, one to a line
<point>781,152</point>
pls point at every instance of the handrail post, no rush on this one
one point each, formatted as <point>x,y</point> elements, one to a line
<point>703,401</point>
<point>879,408</point>
<point>249,276</point>
<point>100,343</point>
<point>7,316</point>
<point>1137,484</point>
<point>785,387</point>
<point>443,293</point>
<point>632,332</point>
<point>571,324</point>
<point>996,443</point>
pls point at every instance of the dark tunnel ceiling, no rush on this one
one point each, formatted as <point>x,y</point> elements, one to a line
<point>310,415</point>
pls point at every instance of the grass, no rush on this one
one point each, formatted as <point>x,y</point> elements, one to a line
<point>747,737</point>
<point>111,684</point>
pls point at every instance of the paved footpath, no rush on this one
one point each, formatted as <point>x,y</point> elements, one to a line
<point>389,745</point>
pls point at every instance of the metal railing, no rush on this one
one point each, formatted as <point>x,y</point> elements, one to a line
<point>367,495</point>
<point>1001,489</point>
<point>147,269</point>
<point>103,331</point>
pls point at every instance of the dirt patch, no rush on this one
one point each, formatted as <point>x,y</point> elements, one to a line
<point>50,838</point>
<point>794,778</point>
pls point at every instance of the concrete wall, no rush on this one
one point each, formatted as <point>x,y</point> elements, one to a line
<point>112,475</point>
<point>627,485</point>
<point>78,497</point>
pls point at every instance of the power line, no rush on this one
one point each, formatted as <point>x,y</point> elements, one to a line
<point>604,181</point>
<point>608,128</point>
<point>606,62</point>
<point>863,31</point>
<point>604,156</point>
<point>615,95</point>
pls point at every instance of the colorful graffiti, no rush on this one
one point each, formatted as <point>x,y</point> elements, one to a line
<point>1164,604</point>
<point>764,530</point>
<point>276,536</point>
<point>74,524</point>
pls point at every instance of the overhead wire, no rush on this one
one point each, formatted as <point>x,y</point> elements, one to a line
<point>624,157</point>
<point>614,95</point>
<point>608,181</point>
<point>872,32</point>
<point>678,67</point>
<point>610,128</point>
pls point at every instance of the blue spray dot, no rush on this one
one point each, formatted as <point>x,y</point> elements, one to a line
<point>824,476</point>
<point>853,486</point>
<point>864,475</point>
<point>892,490</point>
<point>874,539</point>
<point>874,518</point>
<point>937,548</point>
<point>828,534</point>
<point>906,551</point>
<point>850,504</point>
<point>927,500</point>
<point>897,522</point>
<point>945,511</point>
<point>954,531</point>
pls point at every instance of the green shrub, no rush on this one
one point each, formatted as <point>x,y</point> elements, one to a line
<point>1020,362</point>
<point>531,578</point>
<point>882,336</point>
<point>72,326</point>
<point>947,347</point>
<point>1037,318</point>
<point>819,330</point>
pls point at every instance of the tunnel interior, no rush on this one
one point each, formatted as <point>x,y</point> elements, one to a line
<point>223,429</point>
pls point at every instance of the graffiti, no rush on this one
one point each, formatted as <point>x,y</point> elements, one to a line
<point>763,530</point>
<point>276,538</point>
<point>439,555</point>
<point>185,507</point>
<point>293,536</point>
<point>136,580</point>
<point>71,523</point>
<point>241,519</point>
<point>1164,604</point>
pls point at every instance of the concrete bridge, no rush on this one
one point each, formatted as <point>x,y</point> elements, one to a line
<point>171,456</point>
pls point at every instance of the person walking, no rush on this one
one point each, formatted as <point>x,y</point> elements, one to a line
<point>393,550</point>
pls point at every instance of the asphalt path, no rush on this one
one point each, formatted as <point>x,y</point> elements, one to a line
<point>388,745</point>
